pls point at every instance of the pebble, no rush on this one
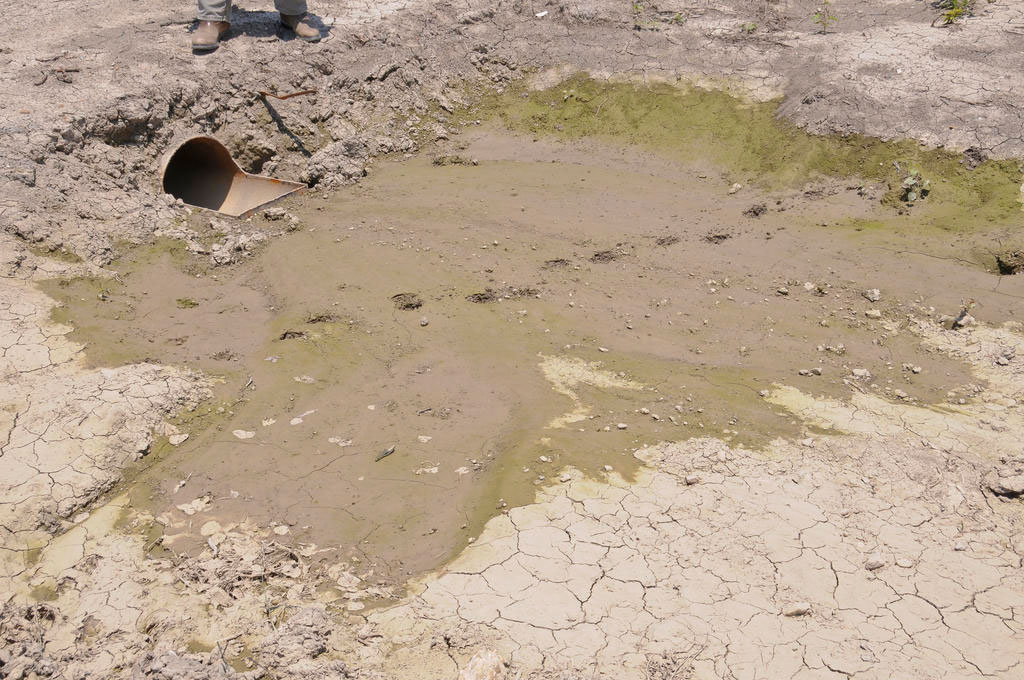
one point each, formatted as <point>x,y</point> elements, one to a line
<point>243,434</point>
<point>873,314</point>
<point>608,468</point>
<point>564,478</point>
<point>176,439</point>
<point>646,411</point>
<point>424,321</point>
<point>872,294</point>
<point>764,393</point>
<point>797,609</point>
<point>783,291</point>
<point>622,426</point>
<point>874,562</point>
<point>544,459</point>
<point>735,187</point>
<point>904,563</point>
<point>692,479</point>
<point>861,373</point>
<point>960,546</point>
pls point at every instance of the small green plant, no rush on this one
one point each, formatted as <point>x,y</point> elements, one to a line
<point>748,27</point>
<point>186,303</point>
<point>824,16</point>
<point>914,187</point>
<point>678,19</point>
<point>955,10</point>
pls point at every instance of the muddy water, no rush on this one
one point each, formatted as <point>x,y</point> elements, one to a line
<point>577,300</point>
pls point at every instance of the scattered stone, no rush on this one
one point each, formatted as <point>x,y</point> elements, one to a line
<point>816,370</point>
<point>874,561</point>
<point>782,290</point>
<point>756,210</point>
<point>608,468</point>
<point>424,438</point>
<point>1007,479</point>
<point>484,665</point>
<point>176,439</point>
<point>735,188</point>
<point>764,393</point>
<point>861,374</point>
<point>960,546</point>
<point>904,563</point>
<point>692,479</point>
<point>872,294</point>
<point>646,411</point>
<point>797,609</point>
<point>281,529</point>
<point>564,478</point>
<point>873,314</point>
<point>243,434</point>
<point>424,321</point>
<point>304,379</point>
<point>622,426</point>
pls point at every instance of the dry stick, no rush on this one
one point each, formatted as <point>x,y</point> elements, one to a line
<point>285,96</point>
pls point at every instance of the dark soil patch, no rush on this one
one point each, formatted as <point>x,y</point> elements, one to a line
<point>292,335</point>
<point>441,161</point>
<point>670,240</point>
<point>509,293</point>
<point>407,301</point>
<point>715,236</point>
<point>322,317</point>
<point>557,263</point>
<point>606,255</point>
<point>756,210</point>
<point>1010,261</point>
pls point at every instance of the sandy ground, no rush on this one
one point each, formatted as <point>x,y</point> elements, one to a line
<point>645,454</point>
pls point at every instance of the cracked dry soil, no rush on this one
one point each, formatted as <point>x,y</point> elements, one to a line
<point>611,379</point>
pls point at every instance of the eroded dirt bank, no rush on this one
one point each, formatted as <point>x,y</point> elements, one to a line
<point>372,383</point>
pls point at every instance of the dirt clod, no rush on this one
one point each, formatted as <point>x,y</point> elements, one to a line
<point>407,301</point>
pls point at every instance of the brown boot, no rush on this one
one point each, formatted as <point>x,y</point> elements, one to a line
<point>208,35</point>
<point>303,27</point>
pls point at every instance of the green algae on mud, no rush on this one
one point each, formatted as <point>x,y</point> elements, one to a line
<point>751,142</point>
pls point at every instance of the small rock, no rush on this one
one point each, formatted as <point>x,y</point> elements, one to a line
<point>622,426</point>
<point>960,546</point>
<point>304,379</point>
<point>861,374</point>
<point>872,294</point>
<point>424,321</point>
<point>873,314</point>
<point>797,609</point>
<point>782,290</point>
<point>484,665</point>
<point>764,393</point>
<point>176,439</point>
<point>646,411</point>
<point>564,478</point>
<point>735,187</point>
<point>874,562</point>
<point>281,529</point>
<point>904,563</point>
<point>816,370</point>
<point>803,371</point>
<point>243,434</point>
<point>608,468</point>
<point>544,459</point>
<point>692,479</point>
<point>964,320</point>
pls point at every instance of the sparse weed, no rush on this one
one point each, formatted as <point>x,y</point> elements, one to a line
<point>954,10</point>
<point>824,16</point>
<point>748,27</point>
<point>914,187</point>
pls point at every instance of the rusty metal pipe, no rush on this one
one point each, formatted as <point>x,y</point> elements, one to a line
<point>201,172</point>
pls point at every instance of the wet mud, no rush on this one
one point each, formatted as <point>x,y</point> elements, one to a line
<point>432,345</point>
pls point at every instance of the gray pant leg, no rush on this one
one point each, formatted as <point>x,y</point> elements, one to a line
<point>292,7</point>
<point>214,10</point>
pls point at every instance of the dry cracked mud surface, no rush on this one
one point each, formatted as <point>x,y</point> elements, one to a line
<point>572,408</point>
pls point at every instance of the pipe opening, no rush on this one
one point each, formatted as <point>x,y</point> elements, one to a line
<point>202,173</point>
